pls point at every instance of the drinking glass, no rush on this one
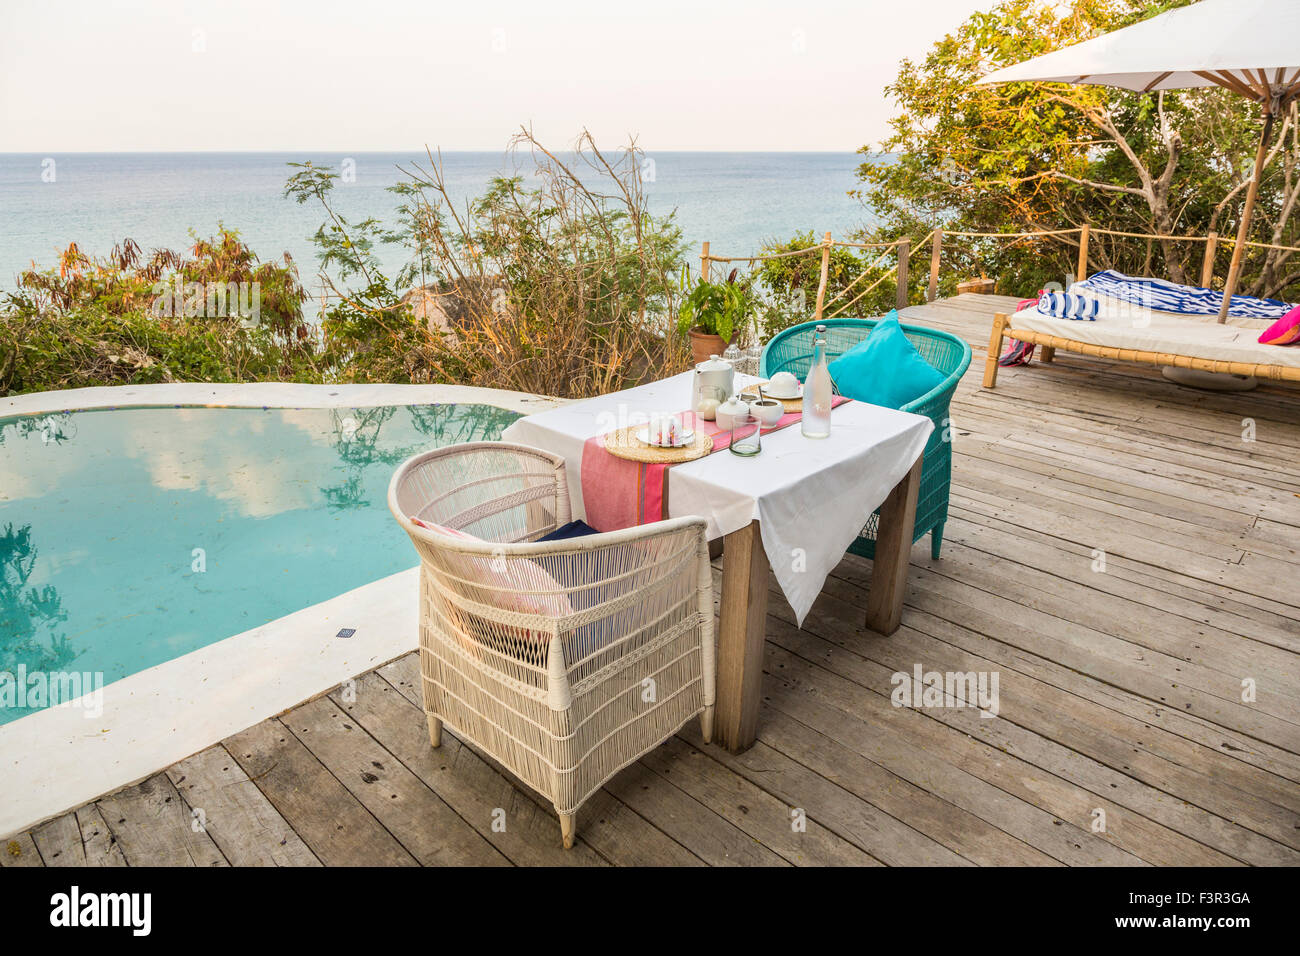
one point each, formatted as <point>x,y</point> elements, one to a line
<point>746,436</point>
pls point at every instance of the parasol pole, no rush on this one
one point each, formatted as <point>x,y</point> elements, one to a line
<point>1243,230</point>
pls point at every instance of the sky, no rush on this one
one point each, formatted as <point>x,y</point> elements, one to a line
<point>355,75</point>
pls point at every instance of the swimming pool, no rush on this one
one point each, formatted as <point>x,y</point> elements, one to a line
<point>132,536</point>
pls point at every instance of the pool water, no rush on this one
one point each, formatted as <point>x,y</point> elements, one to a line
<point>129,537</point>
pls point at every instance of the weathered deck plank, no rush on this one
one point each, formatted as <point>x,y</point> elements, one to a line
<point>59,842</point>
<point>238,816</point>
<point>430,830</point>
<point>526,834</point>
<point>153,826</point>
<point>330,820</point>
<point>97,839</point>
<point>1120,691</point>
<point>19,851</point>
<point>1026,758</point>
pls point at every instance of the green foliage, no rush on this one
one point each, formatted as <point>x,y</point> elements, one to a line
<point>858,282</point>
<point>1039,156</point>
<point>716,308</point>
<point>129,318</point>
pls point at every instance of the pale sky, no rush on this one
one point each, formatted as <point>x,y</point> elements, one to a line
<point>354,75</point>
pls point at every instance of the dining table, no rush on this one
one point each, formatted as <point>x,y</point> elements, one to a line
<point>793,510</point>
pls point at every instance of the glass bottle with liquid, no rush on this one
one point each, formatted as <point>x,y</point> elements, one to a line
<point>816,421</point>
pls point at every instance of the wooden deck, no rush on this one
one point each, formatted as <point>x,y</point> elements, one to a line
<point>1120,690</point>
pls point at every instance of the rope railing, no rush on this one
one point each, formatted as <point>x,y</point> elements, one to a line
<point>1012,235</point>
<point>823,248</point>
<point>903,247</point>
<point>866,271</point>
<point>845,307</point>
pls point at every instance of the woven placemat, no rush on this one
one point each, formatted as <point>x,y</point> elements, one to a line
<point>791,404</point>
<point>623,443</point>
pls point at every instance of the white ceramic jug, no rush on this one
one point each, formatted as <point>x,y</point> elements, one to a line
<point>716,373</point>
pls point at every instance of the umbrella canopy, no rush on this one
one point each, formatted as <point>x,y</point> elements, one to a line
<point>1247,46</point>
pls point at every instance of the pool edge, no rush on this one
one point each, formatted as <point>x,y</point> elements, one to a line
<point>58,759</point>
<point>267,395</point>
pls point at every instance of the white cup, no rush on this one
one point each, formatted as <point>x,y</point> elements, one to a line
<point>664,430</point>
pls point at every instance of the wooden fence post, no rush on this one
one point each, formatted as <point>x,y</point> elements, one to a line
<point>826,268</point>
<point>704,262</point>
<point>935,246</point>
<point>1207,267</point>
<point>904,254</point>
<point>1081,272</point>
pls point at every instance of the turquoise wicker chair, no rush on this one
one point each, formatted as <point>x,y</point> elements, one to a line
<point>791,351</point>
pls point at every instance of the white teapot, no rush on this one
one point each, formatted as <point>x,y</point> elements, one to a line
<point>711,379</point>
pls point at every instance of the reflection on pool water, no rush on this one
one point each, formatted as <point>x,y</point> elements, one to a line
<point>132,536</point>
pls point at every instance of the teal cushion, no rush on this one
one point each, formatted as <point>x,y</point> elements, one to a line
<point>885,368</point>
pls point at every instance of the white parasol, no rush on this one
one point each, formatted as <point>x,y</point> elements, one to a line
<point>1251,47</point>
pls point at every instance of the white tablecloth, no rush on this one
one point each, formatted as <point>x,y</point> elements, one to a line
<point>811,496</point>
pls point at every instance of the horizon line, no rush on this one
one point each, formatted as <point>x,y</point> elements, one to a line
<point>362,152</point>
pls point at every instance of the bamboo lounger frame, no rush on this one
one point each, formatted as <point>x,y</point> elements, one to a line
<point>1050,343</point>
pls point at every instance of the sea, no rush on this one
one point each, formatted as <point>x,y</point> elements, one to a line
<point>737,201</point>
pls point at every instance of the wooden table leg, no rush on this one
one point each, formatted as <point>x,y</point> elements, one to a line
<point>741,633</point>
<point>893,547</point>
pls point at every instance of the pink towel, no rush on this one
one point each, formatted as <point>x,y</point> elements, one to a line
<point>619,493</point>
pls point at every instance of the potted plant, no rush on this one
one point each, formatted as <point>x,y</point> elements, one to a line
<point>714,313</point>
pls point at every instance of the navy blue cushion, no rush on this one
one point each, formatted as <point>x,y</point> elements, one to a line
<point>574,529</point>
<point>885,368</point>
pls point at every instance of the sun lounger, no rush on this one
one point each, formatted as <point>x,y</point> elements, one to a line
<point>1132,333</point>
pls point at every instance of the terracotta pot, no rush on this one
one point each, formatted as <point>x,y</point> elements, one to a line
<point>703,345</point>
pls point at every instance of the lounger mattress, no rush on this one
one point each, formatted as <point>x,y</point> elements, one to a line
<point>1123,326</point>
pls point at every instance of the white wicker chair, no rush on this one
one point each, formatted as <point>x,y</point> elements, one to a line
<point>566,660</point>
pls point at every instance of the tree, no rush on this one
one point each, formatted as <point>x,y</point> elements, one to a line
<point>1038,156</point>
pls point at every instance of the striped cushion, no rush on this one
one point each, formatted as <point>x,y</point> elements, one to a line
<point>1167,296</point>
<point>1068,305</point>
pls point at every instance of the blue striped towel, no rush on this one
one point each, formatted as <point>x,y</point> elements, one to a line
<point>1167,296</point>
<point>1067,305</point>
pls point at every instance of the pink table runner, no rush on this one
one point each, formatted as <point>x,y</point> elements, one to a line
<point>620,494</point>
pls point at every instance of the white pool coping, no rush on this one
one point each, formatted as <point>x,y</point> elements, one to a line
<point>57,759</point>
<point>268,395</point>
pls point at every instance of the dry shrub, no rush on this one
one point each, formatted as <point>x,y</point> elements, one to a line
<point>560,282</point>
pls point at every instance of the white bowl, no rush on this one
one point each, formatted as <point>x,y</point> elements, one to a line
<point>783,385</point>
<point>768,411</point>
